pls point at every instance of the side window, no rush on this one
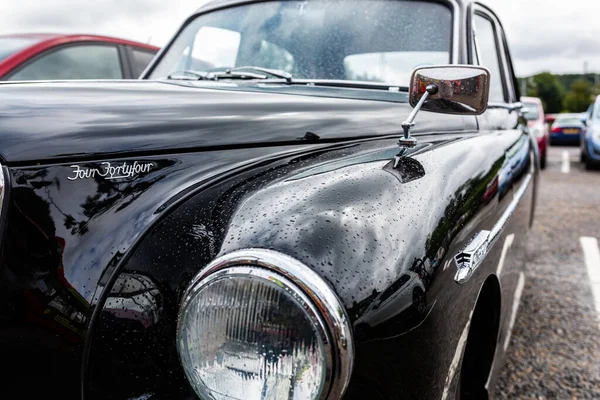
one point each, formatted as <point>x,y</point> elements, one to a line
<point>140,60</point>
<point>74,62</point>
<point>488,55</point>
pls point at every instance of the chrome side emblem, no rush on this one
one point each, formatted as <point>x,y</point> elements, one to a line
<point>109,171</point>
<point>471,256</point>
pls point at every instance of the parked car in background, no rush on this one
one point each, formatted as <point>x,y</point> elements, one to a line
<point>590,139</point>
<point>25,57</point>
<point>269,227</point>
<point>536,121</point>
<point>567,129</point>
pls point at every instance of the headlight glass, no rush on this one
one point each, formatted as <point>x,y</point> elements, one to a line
<point>246,333</point>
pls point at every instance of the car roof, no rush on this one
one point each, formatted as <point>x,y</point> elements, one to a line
<point>30,35</point>
<point>76,37</point>
<point>214,4</point>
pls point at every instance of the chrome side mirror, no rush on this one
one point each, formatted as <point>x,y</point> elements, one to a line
<point>461,89</point>
<point>447,89</point>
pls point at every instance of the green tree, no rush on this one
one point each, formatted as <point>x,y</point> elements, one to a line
<point>548,88</point>
<point>596,90</point>
<point>579,97</point>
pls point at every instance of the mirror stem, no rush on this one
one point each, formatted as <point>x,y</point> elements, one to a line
<point>408,141</point>
<point>406,125</point>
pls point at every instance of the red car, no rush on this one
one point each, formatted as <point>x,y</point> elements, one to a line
<point>57,57</point>
<point>536,122</point>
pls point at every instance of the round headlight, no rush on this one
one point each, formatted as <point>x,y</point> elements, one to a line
<point>250,327</point>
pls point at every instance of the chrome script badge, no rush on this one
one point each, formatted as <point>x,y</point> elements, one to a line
<point>110,171</point>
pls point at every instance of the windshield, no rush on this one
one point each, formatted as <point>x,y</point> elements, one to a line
<point>532,111</point>
<point>11,45</point>
<point>360,40</point>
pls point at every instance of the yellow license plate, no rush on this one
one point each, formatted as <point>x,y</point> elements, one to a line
<point>570,131</point>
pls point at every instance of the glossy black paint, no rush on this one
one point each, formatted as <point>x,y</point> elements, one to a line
<point>93,270</point>
<point>360,238</point>
<point>64,240</point>
<point>95,120</point>
<point>340,184</point>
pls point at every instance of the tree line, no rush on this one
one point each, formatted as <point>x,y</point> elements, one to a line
<point>562,93</point>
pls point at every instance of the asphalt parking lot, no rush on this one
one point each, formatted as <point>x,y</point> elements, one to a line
<point>555,347</point>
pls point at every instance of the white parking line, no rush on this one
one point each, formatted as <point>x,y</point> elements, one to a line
<point>566,162</point>
<point>591,254</point>
<point>456,359</point>
<point>515,307</point>
<point>507,243</point>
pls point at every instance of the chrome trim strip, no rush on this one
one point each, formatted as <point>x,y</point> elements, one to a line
<point>501,224</point>
<point>455,30</point>
<point>318,291</point>
<point>5,185</point>
<point>510,107</point>
<point>470,258</point>
<point>3,180</point>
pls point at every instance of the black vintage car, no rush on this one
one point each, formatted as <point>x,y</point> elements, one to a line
<point>298,200</point>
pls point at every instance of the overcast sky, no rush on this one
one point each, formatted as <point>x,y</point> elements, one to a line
<point>544,35</point>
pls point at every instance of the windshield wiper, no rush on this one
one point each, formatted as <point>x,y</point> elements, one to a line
<point>189,75</point>
<point>237,72</point>
<point>235,75</point>
<point>243,73</point>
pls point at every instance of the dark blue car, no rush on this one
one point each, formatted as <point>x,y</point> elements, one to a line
<point>567,129</point>
<point>590,139</point>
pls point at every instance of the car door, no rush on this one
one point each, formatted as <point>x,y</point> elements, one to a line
<point>518,173</point>
<point>73,61</point>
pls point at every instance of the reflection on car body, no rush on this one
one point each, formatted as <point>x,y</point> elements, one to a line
<point>536,120</point>
<point>399,296</point>
<point>135,298</point>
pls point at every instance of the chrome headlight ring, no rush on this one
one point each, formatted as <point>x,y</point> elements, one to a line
<point>4,199</point>
<point>319,301</point>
